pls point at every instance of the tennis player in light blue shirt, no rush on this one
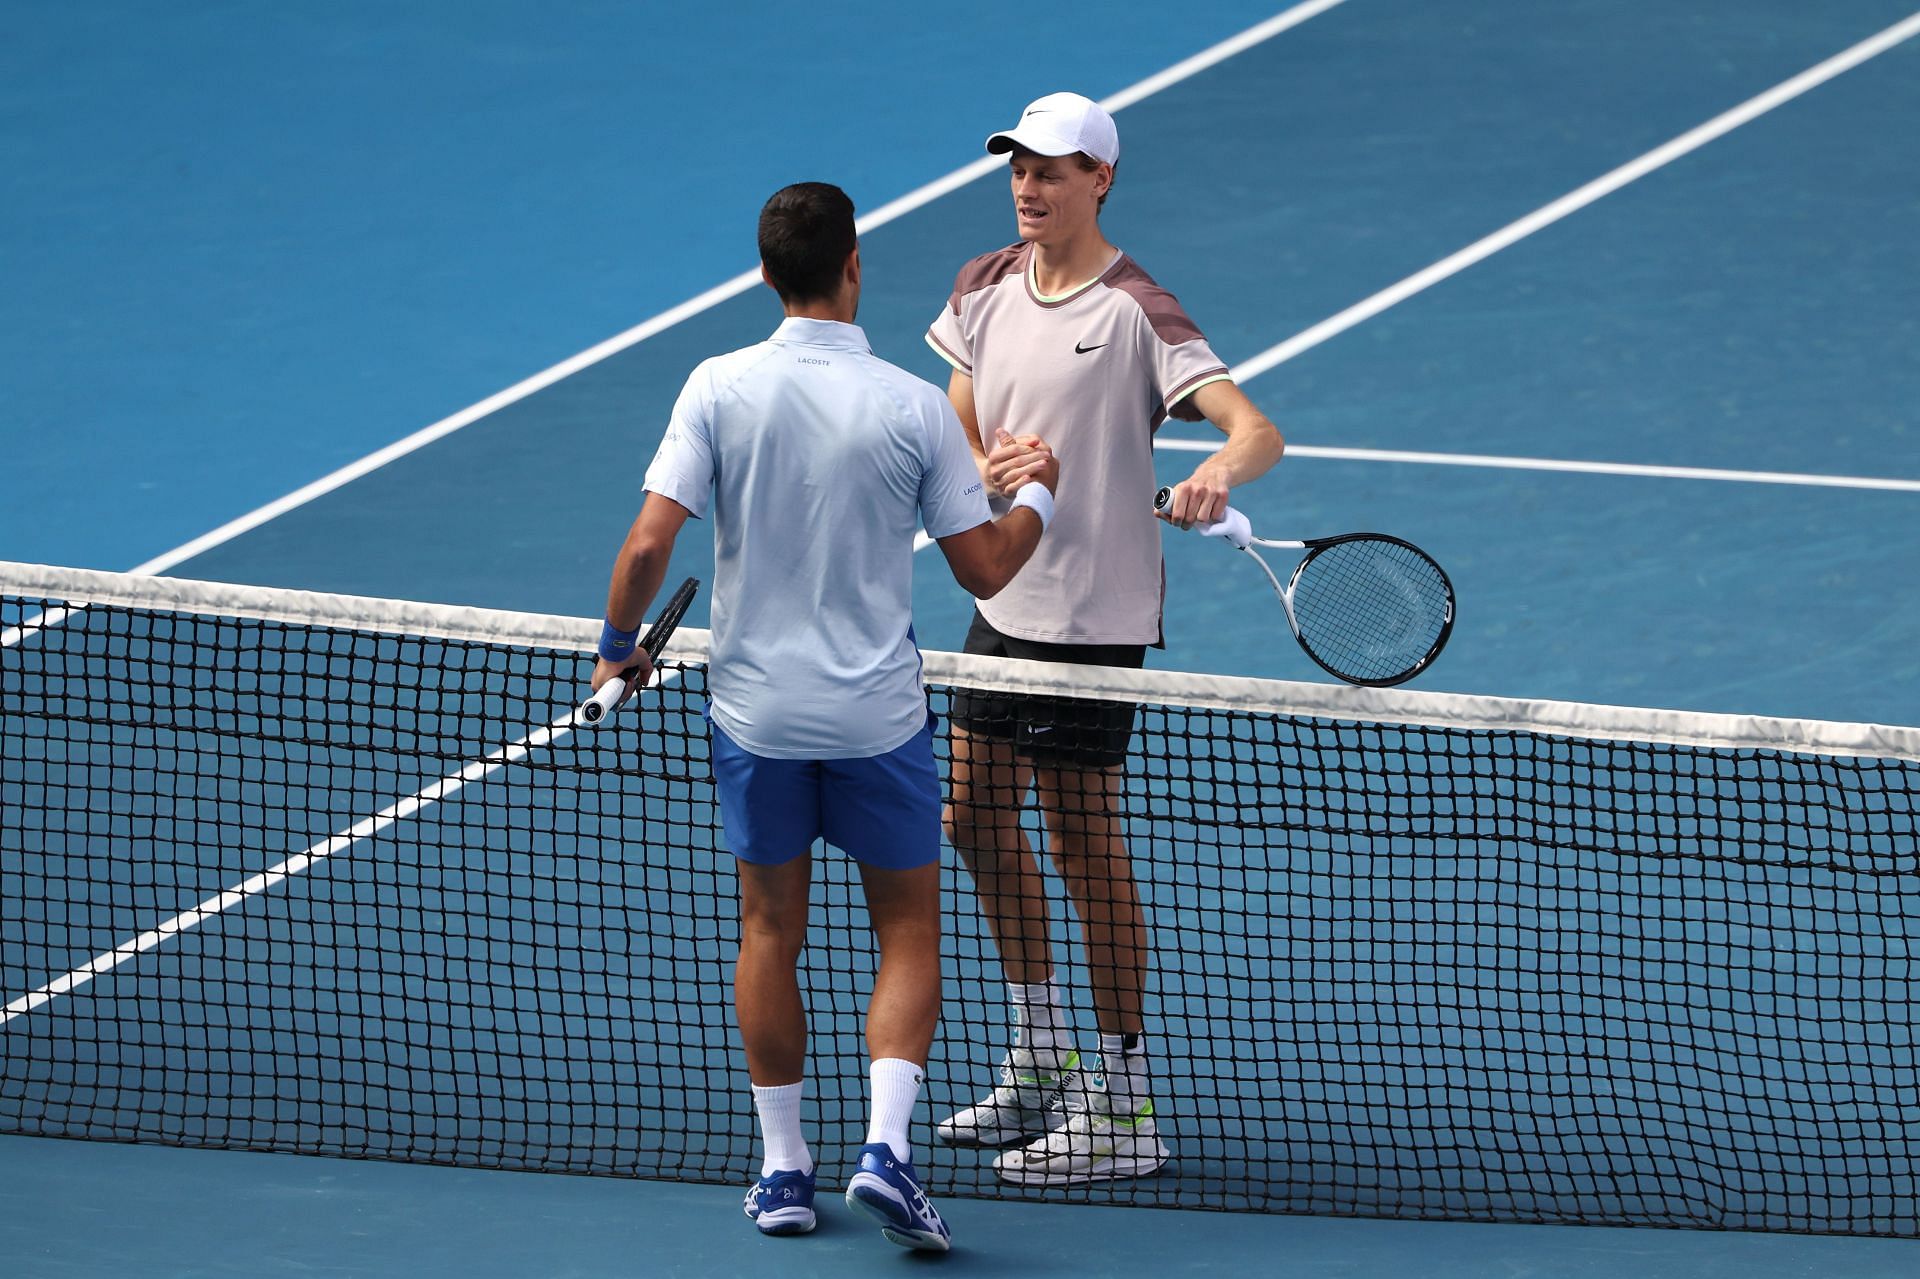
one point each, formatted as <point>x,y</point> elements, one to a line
<point>833,457</point>
<point>817,461</point>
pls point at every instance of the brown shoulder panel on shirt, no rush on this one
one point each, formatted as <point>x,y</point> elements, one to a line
<point>1170,323</point>
<point>986,271</point>
<point>1184,408</point>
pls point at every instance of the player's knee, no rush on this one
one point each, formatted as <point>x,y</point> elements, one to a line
<point>912,945</point>
<point>773,936</point>
<point>969,826</point>
<point>1099,866</point>
<point>1085,832</point>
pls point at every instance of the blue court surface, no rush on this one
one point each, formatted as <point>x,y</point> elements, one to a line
<point>1612,305</point>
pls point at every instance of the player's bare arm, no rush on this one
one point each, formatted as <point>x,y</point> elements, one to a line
<point>960,395</point>
<point>1253,445</point>
<point>637,573</point>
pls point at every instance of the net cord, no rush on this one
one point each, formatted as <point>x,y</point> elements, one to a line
<point>1326,701</point>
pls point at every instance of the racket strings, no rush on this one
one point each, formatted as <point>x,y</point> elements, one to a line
<point>1370,609</point>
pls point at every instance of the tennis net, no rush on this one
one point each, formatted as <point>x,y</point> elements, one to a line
<point>293,872</point>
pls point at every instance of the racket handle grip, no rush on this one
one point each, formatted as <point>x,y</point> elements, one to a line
<point>1233,526</point>
<point>596,708</point>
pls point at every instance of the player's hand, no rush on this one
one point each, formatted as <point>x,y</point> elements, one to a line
<point>1201,499</point>
<point>1017,460</point>
<point>1046,471</point>
<point>639,668</point>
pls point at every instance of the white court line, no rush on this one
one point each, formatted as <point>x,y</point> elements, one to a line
<point>1176,444</point>
<point>439,430</point>
<point>713,297</point>
<point>365,828</point>
<point>38,622</point>
<point>1549,464</point>
<point>1573,201</point>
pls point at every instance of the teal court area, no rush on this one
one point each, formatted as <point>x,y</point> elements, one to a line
<point>1657,423</point>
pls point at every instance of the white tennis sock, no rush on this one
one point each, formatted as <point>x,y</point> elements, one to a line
<point>896,1090</point>
<point>1124,1060</point>
<point>1038,1019</point>
<point>779,1111</point>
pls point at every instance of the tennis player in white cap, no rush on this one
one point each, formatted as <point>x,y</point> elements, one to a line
<point>1062,336</point>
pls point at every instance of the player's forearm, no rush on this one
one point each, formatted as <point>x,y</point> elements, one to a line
<point>642,563</point>
<point>1253,446</point>
<point>637,574</point>
<point>1016,537</point>
<point>960,396</point>
<point>986,557</point>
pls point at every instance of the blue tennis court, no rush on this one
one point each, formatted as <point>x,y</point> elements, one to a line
<point>1660,433</point>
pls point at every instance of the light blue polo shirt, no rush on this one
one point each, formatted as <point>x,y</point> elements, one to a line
<point>820,459</point>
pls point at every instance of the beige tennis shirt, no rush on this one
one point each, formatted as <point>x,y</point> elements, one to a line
<point>1094,373</point>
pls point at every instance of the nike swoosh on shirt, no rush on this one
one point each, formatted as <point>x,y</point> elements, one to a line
<point>1082,350</point>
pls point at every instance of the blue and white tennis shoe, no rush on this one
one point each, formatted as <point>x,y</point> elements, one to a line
<point>781,1203</point>
<point>885,1189</point>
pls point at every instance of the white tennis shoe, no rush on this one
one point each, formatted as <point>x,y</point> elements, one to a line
<point>1029,1100</point>
<point>1094,1144</point>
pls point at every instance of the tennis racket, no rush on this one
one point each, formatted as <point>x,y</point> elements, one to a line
<point>1367,608</point>
<point>615,691</point>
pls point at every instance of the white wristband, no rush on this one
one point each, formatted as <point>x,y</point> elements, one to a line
<point>1036,498</point>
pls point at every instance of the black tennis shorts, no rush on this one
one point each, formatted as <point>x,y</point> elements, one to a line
<point>1052,732</point>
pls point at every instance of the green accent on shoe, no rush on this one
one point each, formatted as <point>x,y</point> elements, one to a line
<point>1047,1080</point>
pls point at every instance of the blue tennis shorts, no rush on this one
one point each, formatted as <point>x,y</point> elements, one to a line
<point>883,810</point>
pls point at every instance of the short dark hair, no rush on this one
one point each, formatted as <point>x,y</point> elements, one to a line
<point>806,236</point>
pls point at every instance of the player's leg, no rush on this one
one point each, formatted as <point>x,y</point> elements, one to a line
<point>1088,847</point>
<point>987,786</point>
<point>885,811</point>
<point>904,908</point>
<point>769,811</point>
<point>1110,1129</point>
<point>773,1028</point>
<point>766,986</point>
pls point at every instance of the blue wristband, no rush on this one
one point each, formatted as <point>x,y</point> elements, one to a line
<point>616,645</point>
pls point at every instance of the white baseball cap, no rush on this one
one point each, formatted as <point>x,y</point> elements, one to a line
<point>1061,124</point>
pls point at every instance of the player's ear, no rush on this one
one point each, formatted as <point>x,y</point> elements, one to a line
<point>852,270</point>
<point>767,279</point>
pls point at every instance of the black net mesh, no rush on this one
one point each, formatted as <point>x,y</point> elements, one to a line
<point>307,888</point>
